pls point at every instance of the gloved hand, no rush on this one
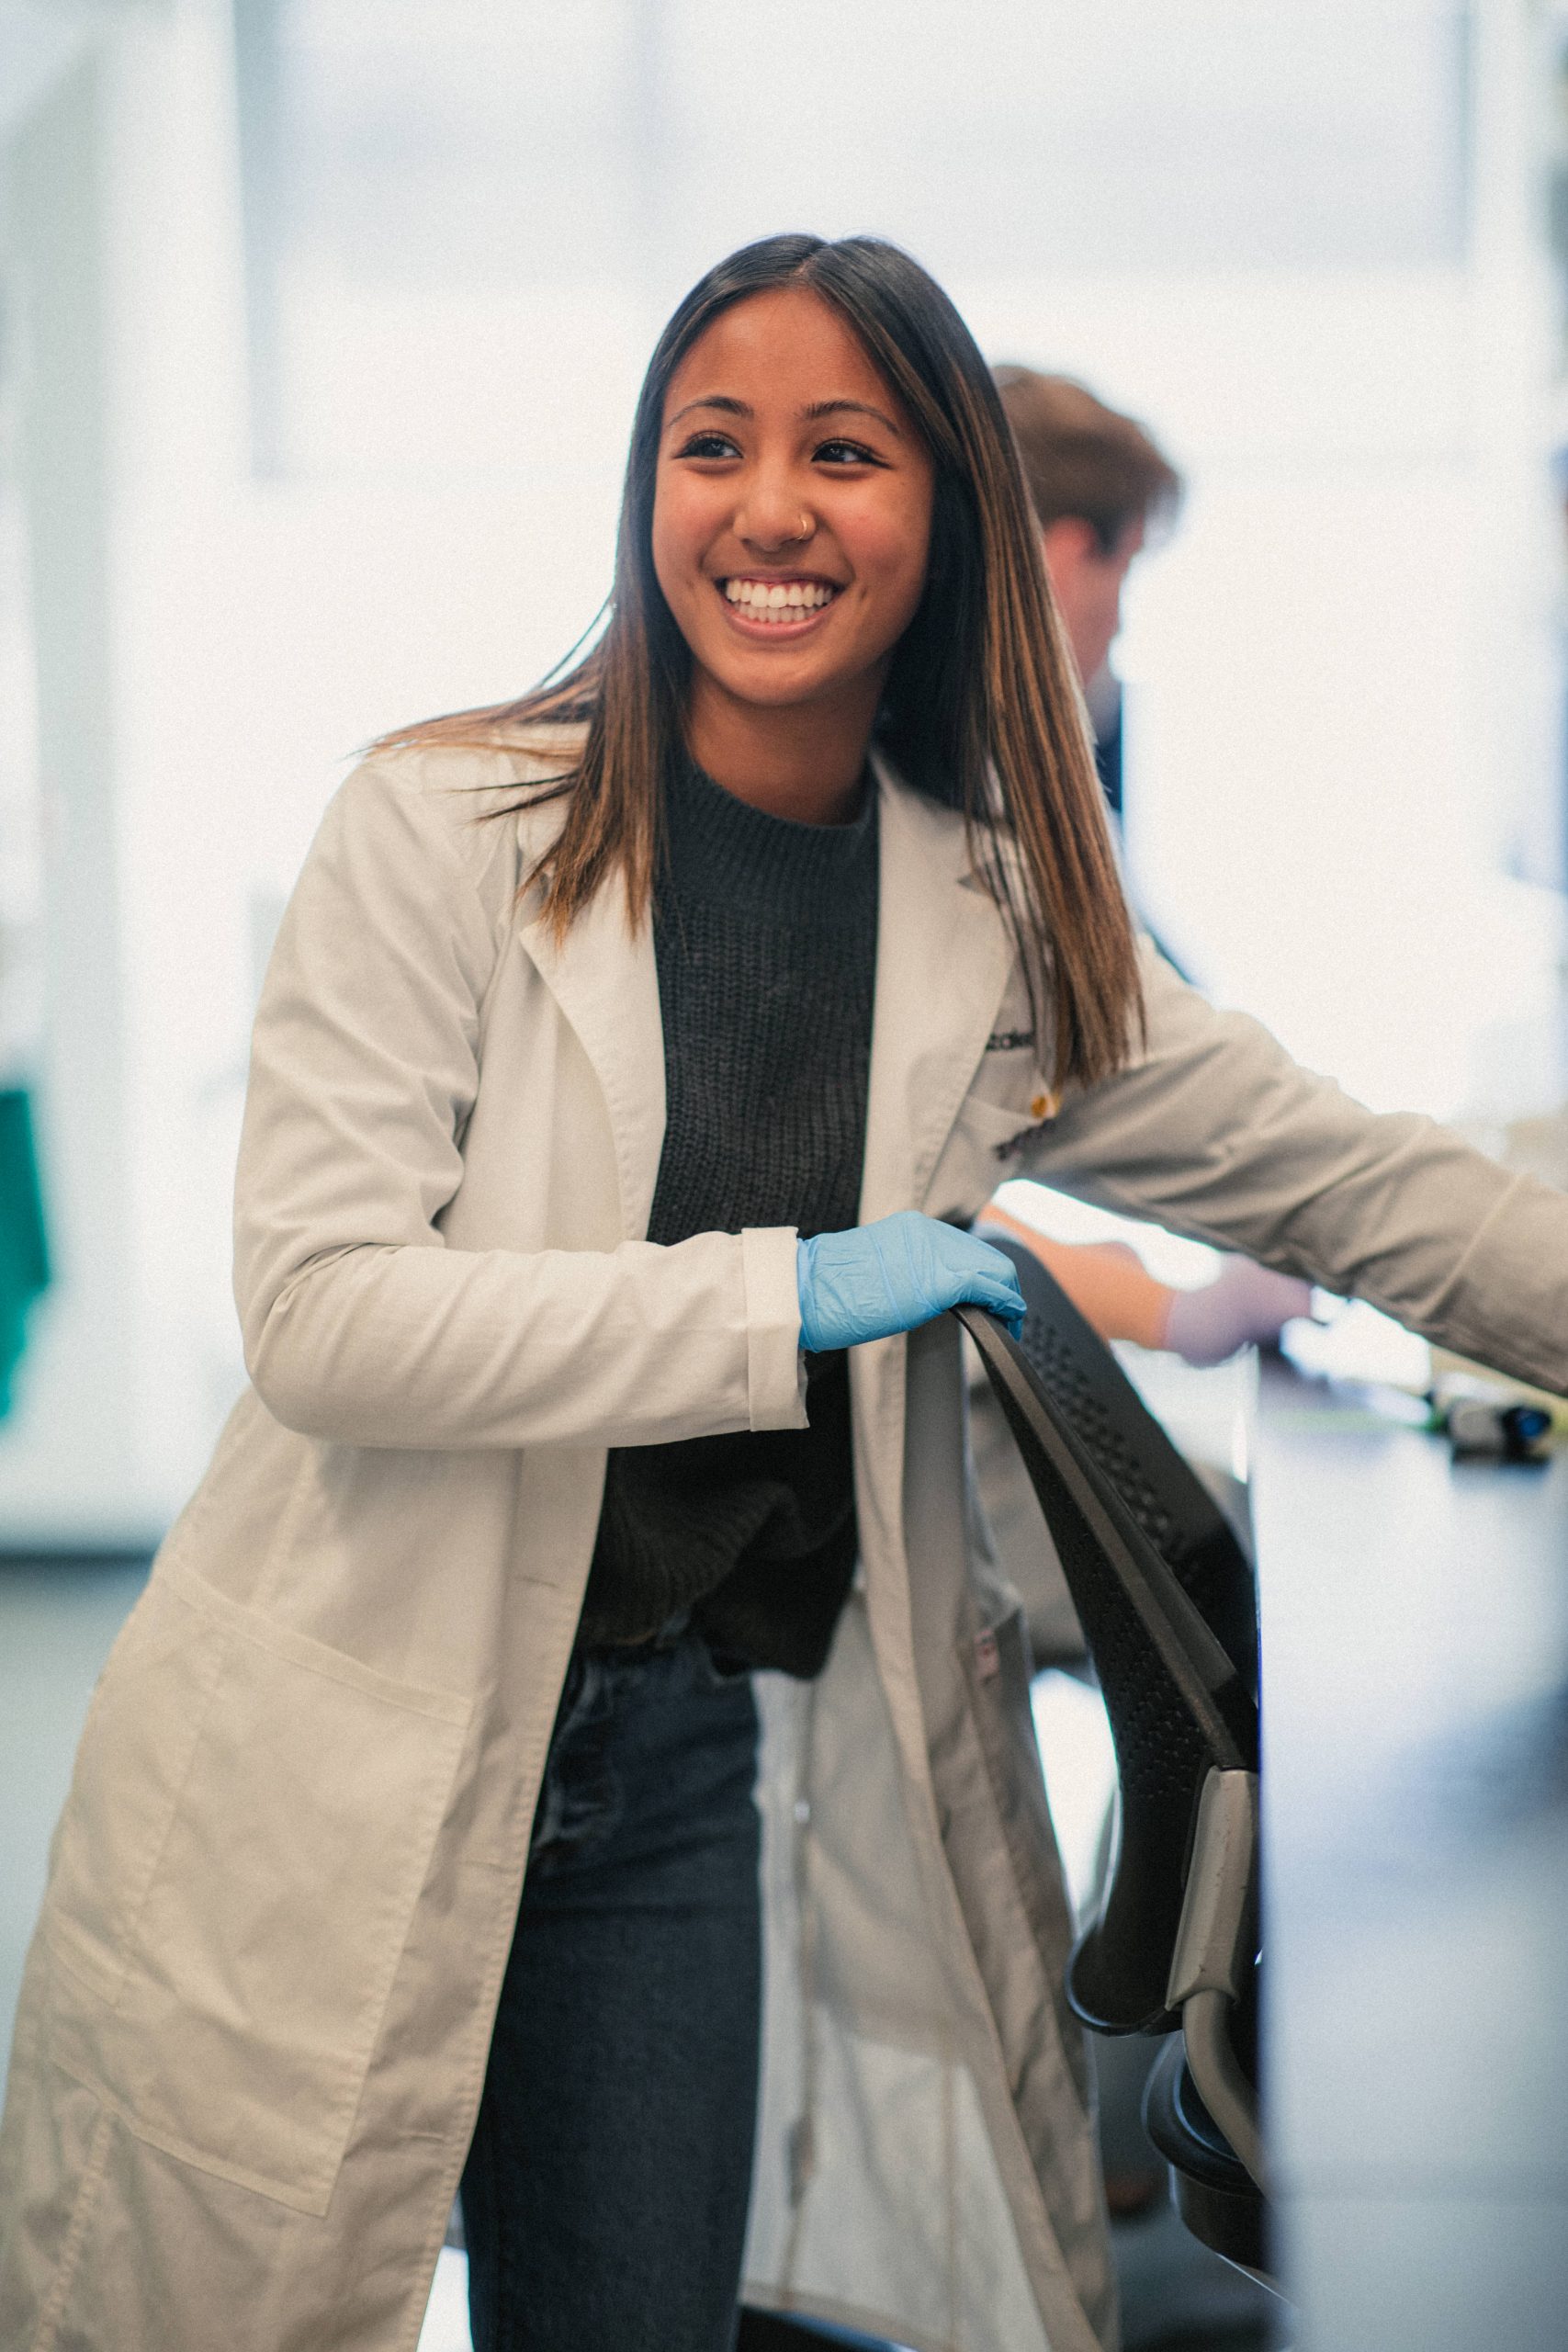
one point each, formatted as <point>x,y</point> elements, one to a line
<point>877,1279</point>
<point>1245,1303</point>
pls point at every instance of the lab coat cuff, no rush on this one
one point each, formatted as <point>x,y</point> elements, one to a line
<point>775,1369</point>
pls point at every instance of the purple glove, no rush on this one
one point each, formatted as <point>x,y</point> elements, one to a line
<point>1245,1303</point>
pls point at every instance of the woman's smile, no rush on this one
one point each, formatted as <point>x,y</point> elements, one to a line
<point>777,605</point>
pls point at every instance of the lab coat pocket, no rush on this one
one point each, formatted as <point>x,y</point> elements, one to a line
<point>258,1944</point>
<point>981,1152</point>
<point>131,1762</point>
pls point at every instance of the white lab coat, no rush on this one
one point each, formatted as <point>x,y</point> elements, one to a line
<point>257,2013</point>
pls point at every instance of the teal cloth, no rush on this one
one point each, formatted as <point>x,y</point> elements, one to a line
<point>24,1243</point>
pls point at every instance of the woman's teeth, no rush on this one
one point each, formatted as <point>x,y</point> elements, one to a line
<point>778,600</point>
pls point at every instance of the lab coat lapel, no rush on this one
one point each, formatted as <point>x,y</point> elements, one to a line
<point>942,961</point>
<point>606,981</point>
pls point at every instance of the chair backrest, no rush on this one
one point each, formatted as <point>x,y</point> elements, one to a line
<point>1153,1479</point>
<point>1165,1597</point>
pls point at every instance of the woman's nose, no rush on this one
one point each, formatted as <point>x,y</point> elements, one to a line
<point>774,513</point>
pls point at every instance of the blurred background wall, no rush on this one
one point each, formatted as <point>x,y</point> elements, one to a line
<point>321,322</point>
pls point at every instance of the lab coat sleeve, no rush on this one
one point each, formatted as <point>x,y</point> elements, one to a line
<point>1215,1131</point>
<point>361,1324</point>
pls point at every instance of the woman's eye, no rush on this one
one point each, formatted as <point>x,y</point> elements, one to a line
<point>845,453</point>
<point>709,444</point>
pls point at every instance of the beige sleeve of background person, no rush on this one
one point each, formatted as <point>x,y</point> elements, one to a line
<point>1215,1131</point>
<point>360,1323</point>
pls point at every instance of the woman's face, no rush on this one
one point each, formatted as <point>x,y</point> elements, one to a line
<point>791,506</point>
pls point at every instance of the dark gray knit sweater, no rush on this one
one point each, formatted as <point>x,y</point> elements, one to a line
<point>765,935</point>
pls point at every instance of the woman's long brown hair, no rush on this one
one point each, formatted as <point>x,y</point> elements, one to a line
<point>982,711</point>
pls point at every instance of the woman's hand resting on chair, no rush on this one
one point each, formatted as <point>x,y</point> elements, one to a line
<point>901,1271</point>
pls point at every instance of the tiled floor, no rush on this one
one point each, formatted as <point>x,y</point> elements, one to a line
<point>58,1618</point>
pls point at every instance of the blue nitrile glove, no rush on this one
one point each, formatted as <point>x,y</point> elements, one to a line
<point>878,1279</point>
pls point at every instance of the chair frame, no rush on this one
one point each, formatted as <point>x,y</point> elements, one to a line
<point>1214,1945</point>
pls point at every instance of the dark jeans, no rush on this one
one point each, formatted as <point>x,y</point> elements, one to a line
<point>605,2192</point>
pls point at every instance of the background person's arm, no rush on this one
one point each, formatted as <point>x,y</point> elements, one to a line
<point>1114,1292</point>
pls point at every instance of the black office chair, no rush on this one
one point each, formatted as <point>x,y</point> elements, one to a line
<point>1166,1598</point>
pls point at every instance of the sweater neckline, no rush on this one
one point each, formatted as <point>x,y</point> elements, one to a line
<point>720,848</point>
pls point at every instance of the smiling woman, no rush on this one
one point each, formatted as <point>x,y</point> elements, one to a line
<point>633,1060</point>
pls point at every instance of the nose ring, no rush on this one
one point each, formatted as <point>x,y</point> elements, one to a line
<point>803,529</point>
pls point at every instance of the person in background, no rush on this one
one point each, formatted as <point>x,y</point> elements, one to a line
<point>1104,491</point>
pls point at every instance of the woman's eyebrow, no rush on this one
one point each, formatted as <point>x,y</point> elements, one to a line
<point>729,406</point>
<point>852,408</point>
<point>711,400</point>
